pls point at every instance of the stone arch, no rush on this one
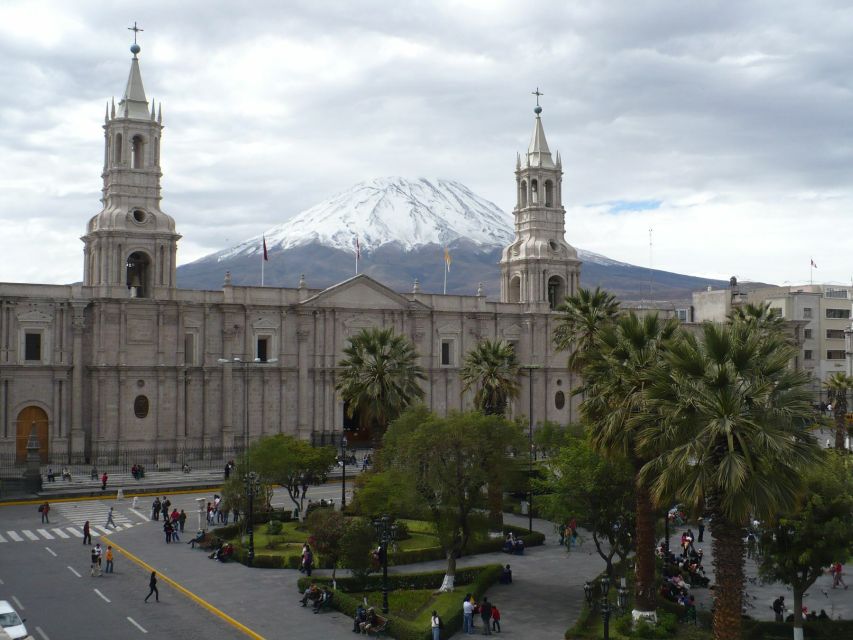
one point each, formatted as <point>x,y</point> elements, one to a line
<point>522,194</point>
<point>137,152</point>
<point>556,291</point>
<point>138,268</point>
<point>534,191</point>
<point>117,148</point>
<point>31,417</point>
<point>549,193</point>
<point>515,289</point>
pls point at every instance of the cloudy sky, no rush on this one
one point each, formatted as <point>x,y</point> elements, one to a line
<point>726,127</point>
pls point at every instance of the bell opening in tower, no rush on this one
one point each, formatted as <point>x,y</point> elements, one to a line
<point>556,291</point>
<point>138,273</point>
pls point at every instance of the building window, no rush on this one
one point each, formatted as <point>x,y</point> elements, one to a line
<point>682,315</point>
<point>836,354</point>
<point>189,349</point>
<point>776,311</point>
<point>262,350</point>
<point>559,400</point>
<point>838,314</point>
<point>140,407</point>
<point>836,293</point>
<point>807,313</point>
<point>137,151</point>
<point>807,334</point>
<point>807,354</point>
<point>32,347</point>
<point>835,334</point>
<point>446,353</point>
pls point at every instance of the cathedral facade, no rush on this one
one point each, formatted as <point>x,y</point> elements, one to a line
<point>126,360</point>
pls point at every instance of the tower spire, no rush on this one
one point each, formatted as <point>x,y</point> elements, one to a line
<point>538,153</point>
<point>134,104</point>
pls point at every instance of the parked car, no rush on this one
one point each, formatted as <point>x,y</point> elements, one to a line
<point>11,621</point>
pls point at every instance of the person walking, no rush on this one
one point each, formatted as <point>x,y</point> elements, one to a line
<point>87,534</point>
<point>779,608</point>
<point>182,519</point>
<point>701,530</point>
<point>435,625</point>
<point>45,509</point>
<point>155,509</point>
<point>837,579</point>
<point>486,616</point>
<point>109,556</point>
<point>104,479</point>
<point>110,520</point>
<point>93,568</point>
<point>467,616</point>
<point>496,619</point>
<point>167,529</point>
<point>152,587</point>
<point>98,553</point>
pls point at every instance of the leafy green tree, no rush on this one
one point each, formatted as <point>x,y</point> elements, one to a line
<point>357,543</point>
<point>584,314</point>
<point>730,439</point>
<point>327,529</point>
<point>447,462</point>
<point>492,369</point>
<point>379,378</point>
<point>287,461</point>
<point>597,490</point>
<point>234,496</point>
<point>615,410</point>
<point>798,545</point>
<point>838,385</point>
<point>550,436</point>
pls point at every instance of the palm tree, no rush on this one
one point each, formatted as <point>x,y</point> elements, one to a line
<point>585,313</point>
<point>492,368</point>
<point>615,409</point>
<point>379,378</point>
<point>731,440</point>
<point>837,386</point>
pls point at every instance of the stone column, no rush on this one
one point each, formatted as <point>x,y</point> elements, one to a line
<point>78,436</point>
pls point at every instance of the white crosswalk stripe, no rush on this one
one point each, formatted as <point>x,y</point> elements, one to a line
<point>101,529</point>
<point>2,539</point>
<point>44,534</point>
<point>95,512</point>
<point>74,532</point>
<point>14,536</point>
<point>29,534</point>
<point>60,533</point>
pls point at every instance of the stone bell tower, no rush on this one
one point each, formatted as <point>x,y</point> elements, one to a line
<point>539,267</point>
<point>131,245</point>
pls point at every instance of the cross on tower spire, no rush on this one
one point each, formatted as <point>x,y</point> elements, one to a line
<point>537,93</point>
<point>136,30</point>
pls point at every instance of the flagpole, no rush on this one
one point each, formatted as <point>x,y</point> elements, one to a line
<point>445,277</point>
<point>263,260</point>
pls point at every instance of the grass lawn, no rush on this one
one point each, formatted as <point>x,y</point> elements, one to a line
<point>416,605</point>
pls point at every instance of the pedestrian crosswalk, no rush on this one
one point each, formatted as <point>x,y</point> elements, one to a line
<point>77,514</point>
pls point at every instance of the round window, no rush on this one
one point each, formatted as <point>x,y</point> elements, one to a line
<point>140,406</point>
<point>559,400</point>
<point>553,245</point>
<point>139,215</point>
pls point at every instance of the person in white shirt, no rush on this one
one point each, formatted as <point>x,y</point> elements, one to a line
<point>435,625</point>
<point>467,616</point>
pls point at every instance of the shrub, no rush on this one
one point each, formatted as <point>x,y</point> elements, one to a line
<point>274,527</point>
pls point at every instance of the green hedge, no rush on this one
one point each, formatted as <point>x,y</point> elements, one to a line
<point>476,579</point>
<point>820,630</point>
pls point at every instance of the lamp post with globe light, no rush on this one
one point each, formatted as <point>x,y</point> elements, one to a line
<point>343,472</point>
<point>253,484</point>
<point>385,531</point>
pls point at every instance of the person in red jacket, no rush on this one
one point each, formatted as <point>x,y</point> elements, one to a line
<point>496,619</point>
<point>104,481</point>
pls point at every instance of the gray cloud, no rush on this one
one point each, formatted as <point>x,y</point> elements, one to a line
<point>736,116</point>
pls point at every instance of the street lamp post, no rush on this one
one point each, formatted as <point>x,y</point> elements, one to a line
<point>605,606</point>
<point>385,532</point>
<point>344,472</point>
<point>252,486</point>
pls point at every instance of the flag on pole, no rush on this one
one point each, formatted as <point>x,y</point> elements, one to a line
<point>814,266</point>
<point>357,249</point>
<point>266,256</point>
<point>447,259</point>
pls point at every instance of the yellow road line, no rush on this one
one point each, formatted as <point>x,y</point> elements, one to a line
<point>199,601</point>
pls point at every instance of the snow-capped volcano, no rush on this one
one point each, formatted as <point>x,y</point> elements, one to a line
<point>409,213</point>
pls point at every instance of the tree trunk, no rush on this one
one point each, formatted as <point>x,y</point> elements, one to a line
<point>450,575</point>
<point>496,505</point>
<point>840,426</point>
<point>644,589</point>
<point>798,614</point>
<point>728,570</point>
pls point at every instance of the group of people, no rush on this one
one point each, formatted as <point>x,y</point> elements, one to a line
<point>366,620</point>
<point>513,544</point>
<point>96,554</point>
<point>682,572</point>
<point>317,597</point>
<point>569,533</point>
<point>65,473</point>
<point>137,471</point>
<point>489,614</point>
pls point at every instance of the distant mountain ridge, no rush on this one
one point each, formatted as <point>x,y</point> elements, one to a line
<point>402,227</point>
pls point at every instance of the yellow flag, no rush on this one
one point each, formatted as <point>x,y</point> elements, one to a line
<point>447,259</point>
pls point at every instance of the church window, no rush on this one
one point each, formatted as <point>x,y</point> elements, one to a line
<point>559,400</point>
<point>138,152</point>
<point>138,267</point>
<point>534,192</point>
<point>189,350</point>
<point>140,407</point>
<point>556,291</point>
<point>549,193</point>
<point>117,149</point>
<point>447,353</point>
<point>139,216</point>
<point>262,348</point>
<point>32,346</point>
<point>515,289</point>
<point>156,152</point>
<point>522,195</point>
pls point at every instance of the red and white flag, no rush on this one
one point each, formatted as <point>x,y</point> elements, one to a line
<point>357,249</point>
<point>266,256</point>
<point>813,264</point>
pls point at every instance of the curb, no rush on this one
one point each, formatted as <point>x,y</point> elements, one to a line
<point>109,495</point>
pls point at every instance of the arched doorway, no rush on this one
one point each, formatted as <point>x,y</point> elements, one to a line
<point>29,418</point>
<point>138,274</point>
<point>356,429</point>
<point>556,291</point>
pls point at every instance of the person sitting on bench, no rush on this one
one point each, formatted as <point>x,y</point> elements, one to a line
<point>324,600</point>
<point>371,622</point>
<point>224,552</point>
<point>312,593</point>
<point>66,474</point>
<point>360,616</point>
<point>198,540</point>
